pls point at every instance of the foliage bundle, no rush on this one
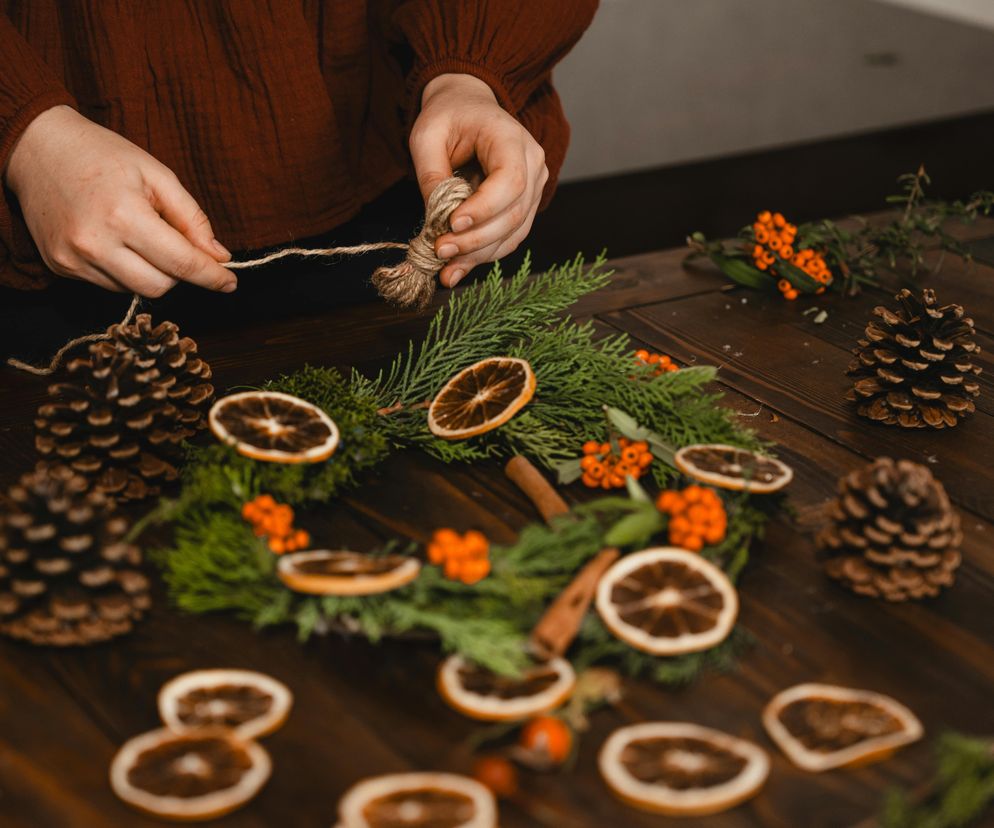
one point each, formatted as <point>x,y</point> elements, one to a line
<point>961,793</point>
<point>857,254</point>
<point>216,563</point>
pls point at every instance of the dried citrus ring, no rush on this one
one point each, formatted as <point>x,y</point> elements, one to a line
<point>730,467</point>
<point>481,694</point>
<point>681,769</point>
<point>253,704</point>
<point>268,425</point>
<point>418,800</point>
<point>192,775</point>
<point>481,397</point>
<point>323,572</point>
<point>821,726</point>
<point>667,601</point>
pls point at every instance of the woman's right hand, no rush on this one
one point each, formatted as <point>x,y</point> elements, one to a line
<point>101,209</point>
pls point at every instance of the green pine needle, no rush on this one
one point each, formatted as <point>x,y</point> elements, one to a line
<point>216,563</point>
<point>961,794</point>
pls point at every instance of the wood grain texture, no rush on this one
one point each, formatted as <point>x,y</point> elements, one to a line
<point>362,710</point>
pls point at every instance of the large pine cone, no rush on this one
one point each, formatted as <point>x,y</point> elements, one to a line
<point>66,577</point>
<point>123,411</point>
<point>914,367</point>
<point>893,532</point>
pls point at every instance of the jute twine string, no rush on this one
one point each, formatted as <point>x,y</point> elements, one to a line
<point>410,284</point>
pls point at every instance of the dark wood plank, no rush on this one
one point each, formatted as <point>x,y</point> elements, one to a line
<point>804,375</point>
<point>364,709</point>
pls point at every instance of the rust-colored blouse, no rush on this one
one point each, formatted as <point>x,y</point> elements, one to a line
<point>281,117</point>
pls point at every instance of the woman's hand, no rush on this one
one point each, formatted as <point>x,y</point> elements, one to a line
<point>101,209</point>
<point>460,120</point>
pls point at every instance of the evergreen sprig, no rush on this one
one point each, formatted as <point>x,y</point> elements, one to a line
<point>862,254</point>
<point>961,794</point>
<point>216,563</point>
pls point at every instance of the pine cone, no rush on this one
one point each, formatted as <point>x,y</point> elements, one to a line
<point>65,575</point>
<point>893,532</point>
<point>123,412</point>
<point>914,368</point>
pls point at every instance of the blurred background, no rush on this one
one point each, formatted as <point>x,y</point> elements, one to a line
<point>686,115</point>
<point>694,115</point>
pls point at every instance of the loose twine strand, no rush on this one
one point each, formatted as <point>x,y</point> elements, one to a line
<point>410,284</point>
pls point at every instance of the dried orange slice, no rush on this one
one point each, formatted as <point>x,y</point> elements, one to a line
<point>681,769</point>
<point>667,601</point>
<point>481,398</point>
<point>189,776</point>
<point>481,694</point>
<point>418,800</point>
<point>253,704</point>
<point>821,726</point>
<point>279,428</point>
<point>730,467</point>
<point>323,572</point>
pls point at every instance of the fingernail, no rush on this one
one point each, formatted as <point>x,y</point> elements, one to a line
<point>462,223</point>
<point>230,287</point>
<point>220,248</point>
<point>447,251</point>
<point>455,277</point>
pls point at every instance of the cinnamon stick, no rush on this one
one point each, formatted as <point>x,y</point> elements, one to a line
<point>559,625</point>
<point>540,492</point>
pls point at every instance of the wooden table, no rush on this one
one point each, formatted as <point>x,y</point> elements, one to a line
<point>363,710</point>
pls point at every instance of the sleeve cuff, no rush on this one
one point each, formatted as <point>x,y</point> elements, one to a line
<point>20,249</point>
<point>457,66</point>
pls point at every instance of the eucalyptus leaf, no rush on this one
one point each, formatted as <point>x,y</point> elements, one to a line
<point>568,471</point>
<point>635,529</point>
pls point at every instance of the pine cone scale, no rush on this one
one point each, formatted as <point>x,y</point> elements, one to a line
<point>892,532</point>
<point>914,368</point>
<point>138,395</point>
<point>75,585</point>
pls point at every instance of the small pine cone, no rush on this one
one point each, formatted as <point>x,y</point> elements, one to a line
<point>893,533</point>
<point>914,367</point>
<point>66,576</point>
<point>123,411</point>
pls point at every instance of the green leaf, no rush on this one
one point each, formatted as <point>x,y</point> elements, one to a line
<point>742,273</point>
<point>625,423</point>
<point>635,490</point>
<point>797,277</point>
<point>635,529</point>
<point>568,471</point>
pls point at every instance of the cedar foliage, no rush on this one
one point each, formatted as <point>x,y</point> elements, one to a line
<point>961,793</point>
<point>216,563</point>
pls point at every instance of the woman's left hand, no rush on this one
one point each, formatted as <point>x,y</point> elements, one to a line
<point>461,120</point>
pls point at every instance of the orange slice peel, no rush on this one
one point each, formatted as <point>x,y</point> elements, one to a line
<point>274,427</point>
<point>681,769</point>
<point>667,601</point>
<point>481,398</point>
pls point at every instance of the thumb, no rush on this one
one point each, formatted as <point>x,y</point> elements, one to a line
<point>431,161</point>
<point>180,210</point>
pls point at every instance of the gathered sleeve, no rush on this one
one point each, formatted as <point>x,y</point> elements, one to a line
<point>28,87</point>
<point>511,45</point>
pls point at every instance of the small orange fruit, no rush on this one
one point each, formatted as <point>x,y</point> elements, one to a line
<point>549,738</point>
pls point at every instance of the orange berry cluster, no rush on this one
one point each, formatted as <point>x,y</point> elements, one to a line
<point>464,558</point>
<point>606,470</point>
<point>775,237</point>
<point>697,517</point>
<point>662,362</point>
<point>274,521</point>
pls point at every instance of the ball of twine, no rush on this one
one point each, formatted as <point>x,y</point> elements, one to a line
<point>412,282</point>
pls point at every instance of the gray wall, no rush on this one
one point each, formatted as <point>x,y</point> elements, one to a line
<point>658,82</point>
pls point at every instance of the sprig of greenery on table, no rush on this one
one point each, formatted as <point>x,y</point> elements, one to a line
<point>215,562</point>
<point>961,793</point>
<point>861,255</point>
